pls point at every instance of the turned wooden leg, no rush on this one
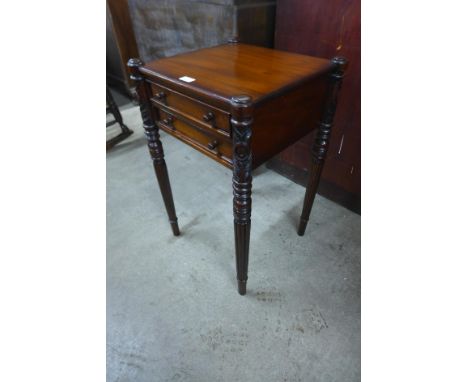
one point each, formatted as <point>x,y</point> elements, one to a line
<point>322,140</point>
<point>154,143</point>
<point>241,121</point>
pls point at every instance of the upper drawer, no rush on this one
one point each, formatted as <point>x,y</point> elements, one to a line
<point>197,112</point>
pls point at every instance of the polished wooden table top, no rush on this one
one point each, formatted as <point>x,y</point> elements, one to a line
<point>239,105</point>
<point>228,70</point>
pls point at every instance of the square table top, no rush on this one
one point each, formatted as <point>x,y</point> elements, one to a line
<point>235,69</point>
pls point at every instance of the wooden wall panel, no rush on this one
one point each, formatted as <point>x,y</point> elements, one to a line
<point>121,44</point>
<point>327,28</point>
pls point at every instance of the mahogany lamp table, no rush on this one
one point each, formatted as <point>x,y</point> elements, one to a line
<point>239,105</point>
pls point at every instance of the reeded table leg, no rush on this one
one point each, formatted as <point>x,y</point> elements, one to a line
<point>322,140</point>
<point>241,122</point>
<point>154,143</point>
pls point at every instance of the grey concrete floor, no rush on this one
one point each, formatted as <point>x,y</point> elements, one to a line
<point>173,311</point>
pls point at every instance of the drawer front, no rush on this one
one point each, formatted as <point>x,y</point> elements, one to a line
<point>219,148</point>
<point>199,113</point>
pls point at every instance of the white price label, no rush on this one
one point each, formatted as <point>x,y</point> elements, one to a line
<point>187,79</point>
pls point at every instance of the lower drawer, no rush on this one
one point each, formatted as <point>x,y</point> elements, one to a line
<point>214,146</point>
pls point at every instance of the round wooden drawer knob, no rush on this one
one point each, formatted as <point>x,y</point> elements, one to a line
<point>208,117</point>
<point>168,121</point>
<point>213,144</point>
<point>160,96</point>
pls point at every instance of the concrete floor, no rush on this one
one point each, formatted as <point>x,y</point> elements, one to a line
<point>173,311</point>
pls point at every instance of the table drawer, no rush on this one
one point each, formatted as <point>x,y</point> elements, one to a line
<point>216,147</point>
<point>206,116</point>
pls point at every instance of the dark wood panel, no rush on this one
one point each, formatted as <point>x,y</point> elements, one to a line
<point>327,28</point>
<point>124,39</point>
<point>326,188</point>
